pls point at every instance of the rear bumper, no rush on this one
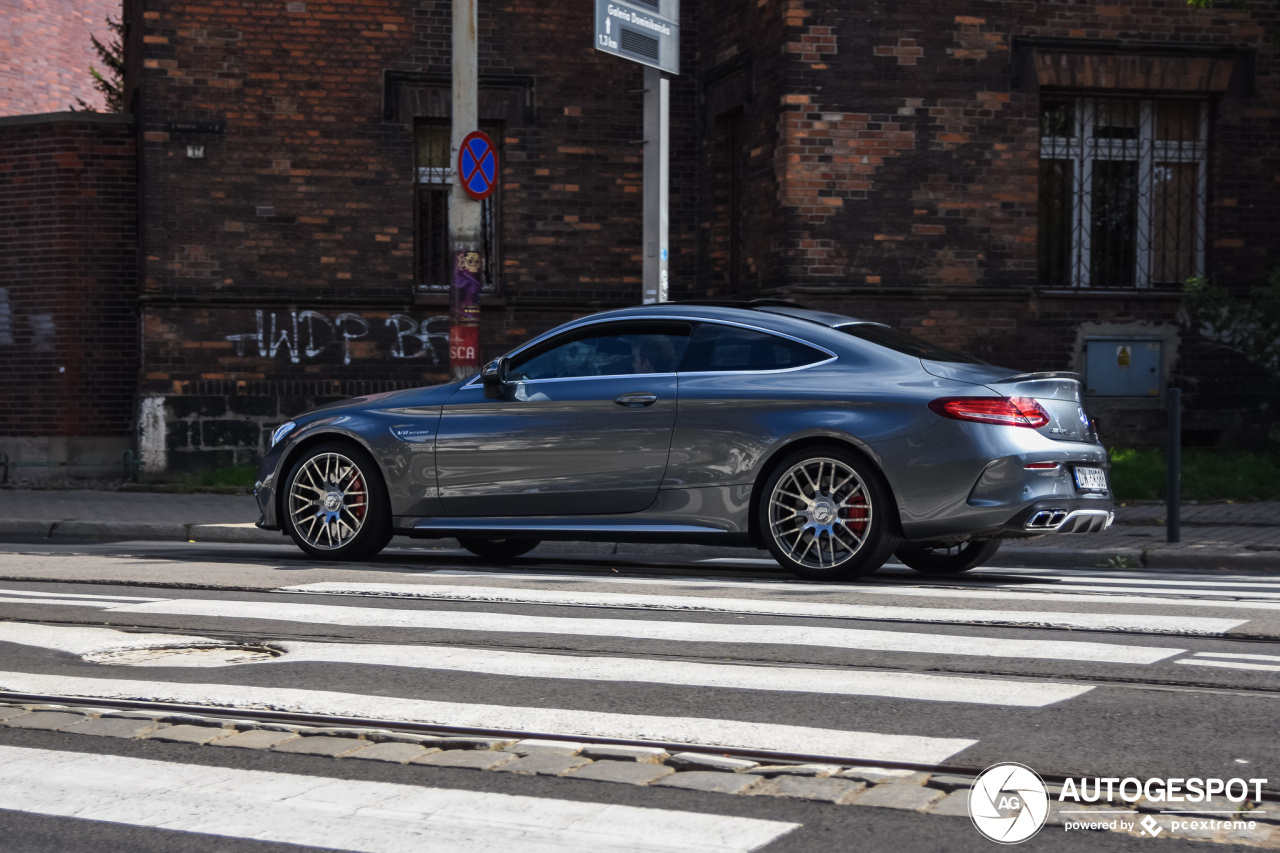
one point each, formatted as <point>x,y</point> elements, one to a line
<point>1090,514</point>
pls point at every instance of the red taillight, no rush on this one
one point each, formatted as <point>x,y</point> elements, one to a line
<point>1011,411</point>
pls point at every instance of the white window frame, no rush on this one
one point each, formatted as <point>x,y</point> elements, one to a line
<point>1083,151</point>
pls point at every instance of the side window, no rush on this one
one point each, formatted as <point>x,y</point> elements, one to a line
<point>616,349</point>
<point>715,348</point>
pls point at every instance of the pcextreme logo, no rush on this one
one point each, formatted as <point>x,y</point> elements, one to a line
<point>1008,803</point>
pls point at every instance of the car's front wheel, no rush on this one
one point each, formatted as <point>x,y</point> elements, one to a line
<point>825,514</point>
<point>335,505</point>
<point>499,549</point>
<point>947,559</point>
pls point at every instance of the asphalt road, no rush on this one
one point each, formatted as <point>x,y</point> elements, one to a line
<point>1069,672</point>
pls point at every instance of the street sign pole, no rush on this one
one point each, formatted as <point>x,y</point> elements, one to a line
<point>657,115</point>
<point>464,211</point>
<point>648,32</point>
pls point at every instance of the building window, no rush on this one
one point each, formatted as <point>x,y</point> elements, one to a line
<point>1122,191</point>
<point>433,177</point>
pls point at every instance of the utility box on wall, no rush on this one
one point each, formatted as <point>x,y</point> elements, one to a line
<point>1123,367</point>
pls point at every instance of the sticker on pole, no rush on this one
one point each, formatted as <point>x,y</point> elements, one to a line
<point>478,165</point>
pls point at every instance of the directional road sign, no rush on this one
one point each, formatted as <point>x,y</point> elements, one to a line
<point>644,31</point>
<point>478,165</point>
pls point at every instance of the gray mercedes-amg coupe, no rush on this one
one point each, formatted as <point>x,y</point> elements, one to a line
<point>830,441</point>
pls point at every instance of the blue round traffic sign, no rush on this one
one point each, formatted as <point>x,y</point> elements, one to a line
<point>478,165</point>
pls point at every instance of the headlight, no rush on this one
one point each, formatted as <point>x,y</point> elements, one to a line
<point>281,431</point>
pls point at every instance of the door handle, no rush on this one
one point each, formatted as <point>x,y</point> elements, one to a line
<point>636,401</point>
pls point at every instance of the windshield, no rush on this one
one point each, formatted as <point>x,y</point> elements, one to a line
<point>904,343</point>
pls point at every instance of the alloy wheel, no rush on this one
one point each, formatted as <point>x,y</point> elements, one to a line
<point>328,501</point>
<point>819,513</point>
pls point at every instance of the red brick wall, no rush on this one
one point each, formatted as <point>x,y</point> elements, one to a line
<point>305,199</point>
<point>892,173</point>
<point>907,158</point>
<point>68,283</point>
<point>45,53</point>
<point>889,170</point>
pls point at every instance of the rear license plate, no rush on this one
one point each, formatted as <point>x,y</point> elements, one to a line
<point>1091,479</point>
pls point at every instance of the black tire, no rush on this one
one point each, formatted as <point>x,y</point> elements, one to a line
<point>352,518</point>
<point>854,517</point>
<point>499,549</point>
<point>950,560</point>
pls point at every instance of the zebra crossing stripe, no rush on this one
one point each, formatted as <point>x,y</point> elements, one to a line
<point>351,815</point>
<point>776,607</point>
<point>897,685</point>
<point>1065,581</point>
<point>1273,658</point>
<point>1222,664</point>
<point>868,746</point>
<point>1233,660</point>
<point>84,595</point>
<point>1151,590</point>
<point>707,632</point>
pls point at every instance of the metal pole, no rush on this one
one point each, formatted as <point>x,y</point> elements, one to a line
<point>657,113</point>
<point>464,211</point>
<point>1173,489</point>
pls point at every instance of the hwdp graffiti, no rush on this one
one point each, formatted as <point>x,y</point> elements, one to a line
<point>304,335</point>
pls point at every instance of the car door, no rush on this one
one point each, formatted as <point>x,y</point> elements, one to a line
<point>583,426</point>
<point>740,388</point>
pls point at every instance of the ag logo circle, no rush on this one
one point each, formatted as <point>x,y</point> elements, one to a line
<point>1008,803</point>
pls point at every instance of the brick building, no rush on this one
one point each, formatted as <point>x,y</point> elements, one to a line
<point>68,287</point>
<point>45,53</point>
<point>1028,181</point>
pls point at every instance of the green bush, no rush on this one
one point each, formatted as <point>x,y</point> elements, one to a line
<point>230,476</point>
<point>1206,475</point>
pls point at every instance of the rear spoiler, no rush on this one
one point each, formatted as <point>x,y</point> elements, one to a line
<point>1029,377</point>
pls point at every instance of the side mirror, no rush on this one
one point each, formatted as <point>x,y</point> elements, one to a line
<point>494,376</point>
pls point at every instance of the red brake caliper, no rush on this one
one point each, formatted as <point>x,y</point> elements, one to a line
<point>357,485</point>
<point>855,515</point>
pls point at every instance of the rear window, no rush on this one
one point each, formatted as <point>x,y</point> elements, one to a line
<point>714,348</point>
<point>904,343</point>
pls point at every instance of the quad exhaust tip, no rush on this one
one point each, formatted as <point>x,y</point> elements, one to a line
<point>1076,521</point>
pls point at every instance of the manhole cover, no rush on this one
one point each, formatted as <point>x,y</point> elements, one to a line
<point>185,656</point>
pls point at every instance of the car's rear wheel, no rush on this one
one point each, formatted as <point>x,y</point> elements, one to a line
<point>825,514</point>
<point>499,549</point>
<point>335,504</point>
<point>947,559</point>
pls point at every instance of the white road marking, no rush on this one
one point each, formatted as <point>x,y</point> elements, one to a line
<point>1113,590</point>
<point>692,581</point>
<point>88,641</point>
<point>27,592</point>
<point>897,685</point>
<point>866,746</point>
<point>1053,582</point>
<point>1222,664</point>
<point>62,602</point>
<point>1149,582</point>
<point>344,814</point>
<point>1275,658</point>
<point>709,632</point>
<point>777,607</point>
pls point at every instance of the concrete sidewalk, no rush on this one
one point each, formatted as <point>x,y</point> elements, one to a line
<point>1215,537</point>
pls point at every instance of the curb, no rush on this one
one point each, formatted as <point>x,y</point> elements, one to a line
<point>246,533</point>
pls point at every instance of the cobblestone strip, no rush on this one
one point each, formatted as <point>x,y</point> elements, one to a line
<point>874,787</point>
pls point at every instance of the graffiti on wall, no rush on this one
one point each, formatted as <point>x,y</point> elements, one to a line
<point>44,331</point>
<point>305,335</point>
